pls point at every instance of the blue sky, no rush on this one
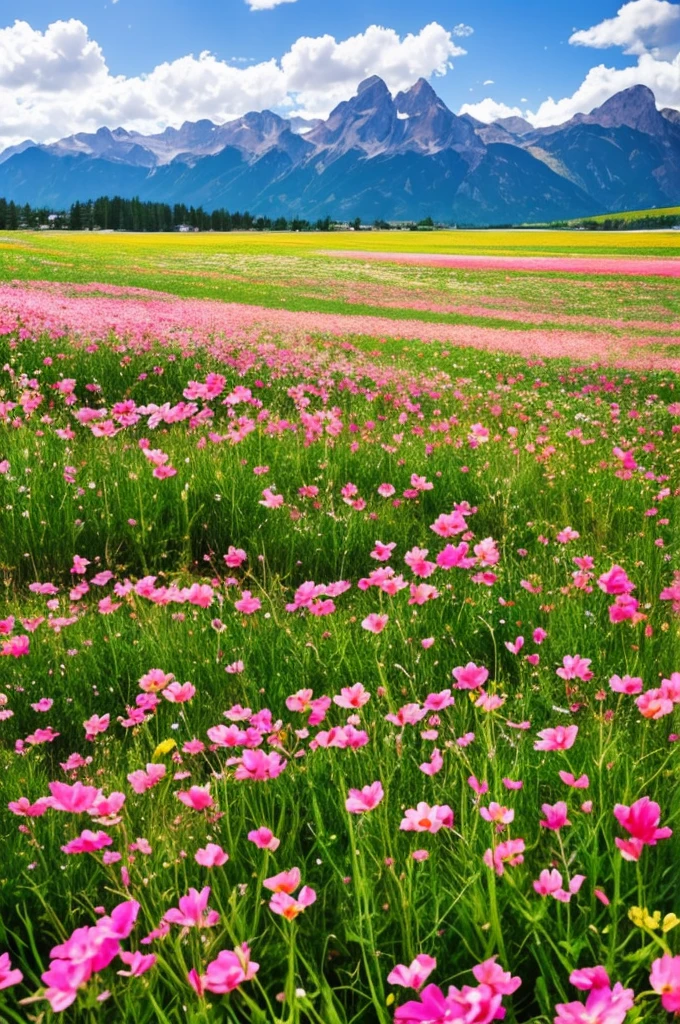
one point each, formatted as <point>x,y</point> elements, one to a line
<point>79,63</point>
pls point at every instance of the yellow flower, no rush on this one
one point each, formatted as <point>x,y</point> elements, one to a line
<point>641,918</point>
<point>669,922</point>
<point>163,748</point>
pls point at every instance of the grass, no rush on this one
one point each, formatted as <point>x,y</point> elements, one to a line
<point>342,416</point>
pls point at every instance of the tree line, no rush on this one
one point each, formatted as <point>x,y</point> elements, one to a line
<point>118,214</point>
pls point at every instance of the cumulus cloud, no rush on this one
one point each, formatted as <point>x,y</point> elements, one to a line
<point>646,29</point>
<point>601,82</point>
<point>266,5</point>
<point>462,30</point>
<point>641,26</point>
<point>489,110</point>
<point>57,82</point>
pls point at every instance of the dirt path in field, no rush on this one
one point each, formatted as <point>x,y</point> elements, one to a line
<point>643,266</point>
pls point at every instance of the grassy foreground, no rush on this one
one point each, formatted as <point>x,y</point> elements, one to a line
<point>245,576</point>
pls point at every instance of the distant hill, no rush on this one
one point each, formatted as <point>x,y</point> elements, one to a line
<point>376,156</point>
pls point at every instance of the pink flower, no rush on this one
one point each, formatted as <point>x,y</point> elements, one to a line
<point>138,963</point>
<point>603,1006</point>
<point>76,798</point>
<point>492,974</point>
<point>227,972</point>
<point>383,552</point>
<point>211,856</point>
<point>352,697</point>
<point>665,980</point>
<point>434,765</point>
<point>498,814</point>
<point>141,780</point>
<point>555,816</point>
<point>455,557</point>
<point>288,906</point>
<point>88,842</point>
<point>375,623</point>
<point>235,557</point>
<point>285,881</point>
<point>365,799</point>
<point>471,677</point>
<point>448,524</point>
<point>415,975</point>
<point>615,581</point>
<point>264,838</point>
<point>247,604</point>
<point>562,737</point>
<point>588,978</point>
<point>255,764</point>
<point>575,667</point>
<point>386,490</point>
<point>516,646</point>
<point>192,910</point>
<point>568,779</point>
<point>8,975</point>
<point>627,684</point>
<point>510,852</point>
<point>424,818</point>
<point>198,798</point>
<point>271,500</point>
<point>641,821</point>
<point>94,725</point>
<point>16,647</point>
<point>179,693</point>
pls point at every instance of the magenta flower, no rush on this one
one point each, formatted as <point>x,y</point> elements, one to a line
<point>510,853</point>
<point>470,677</point>
<point>211,856</point>
<point>424,818</point>
<point>375,623</point>
<point>198,798</point>
<point>562,737</point>
<point>415,975</point>
<point>141,780</point>
<point>8,975</point>
<point>665,980</point>
<point>603,1006</point>
<point>88,842</point>
<point>192,911</point>
<point>227,972</point>
<point>575,667</point>
<point>288,906</point>
<point>555,816</point>
<point>264,838</point>
<point>137,963</point>
<point>641,821</point>
<point>366,799</point>
<point>76,798</point>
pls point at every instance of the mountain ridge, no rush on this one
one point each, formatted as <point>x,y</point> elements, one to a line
<point>375,156</point>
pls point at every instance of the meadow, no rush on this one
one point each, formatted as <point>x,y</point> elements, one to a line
<point>340,631</point>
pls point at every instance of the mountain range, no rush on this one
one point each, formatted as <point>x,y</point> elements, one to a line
<point>400,158</point>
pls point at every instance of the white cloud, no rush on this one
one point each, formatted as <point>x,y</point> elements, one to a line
<point>646,29</point>
<point>462,30</point>
<point>489,110</point>
<point>601,82</point>
<point>266,5</point>
<point>488,81</point>
<point>641,26</point>
<point>57,82</point>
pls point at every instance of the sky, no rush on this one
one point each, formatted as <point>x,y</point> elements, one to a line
<point>75,65</point>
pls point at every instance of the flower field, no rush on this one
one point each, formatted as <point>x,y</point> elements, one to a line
<point>339,636</point>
